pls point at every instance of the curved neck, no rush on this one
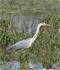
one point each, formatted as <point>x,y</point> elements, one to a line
<point>37,31</point>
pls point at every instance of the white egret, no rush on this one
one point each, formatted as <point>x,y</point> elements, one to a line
<point>28,42</point>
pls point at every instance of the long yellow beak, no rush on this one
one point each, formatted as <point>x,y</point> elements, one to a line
<point>46,25</point>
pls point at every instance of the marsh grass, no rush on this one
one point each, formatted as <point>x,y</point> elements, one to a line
<point>46,47</point>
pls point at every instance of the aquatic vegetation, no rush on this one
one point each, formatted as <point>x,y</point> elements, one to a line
<point>46,47</point>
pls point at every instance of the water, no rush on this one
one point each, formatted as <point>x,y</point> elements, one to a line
<point>10,65</point>
<point>17,65</point>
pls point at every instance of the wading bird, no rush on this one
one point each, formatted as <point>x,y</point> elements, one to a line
<point>28,42</point>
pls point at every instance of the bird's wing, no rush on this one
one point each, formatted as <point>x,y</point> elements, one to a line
<point>21,44</point>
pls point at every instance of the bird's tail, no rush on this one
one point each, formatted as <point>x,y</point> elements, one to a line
<point>10,47</point>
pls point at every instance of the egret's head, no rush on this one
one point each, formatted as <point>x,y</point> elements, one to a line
<point>44,24</point>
